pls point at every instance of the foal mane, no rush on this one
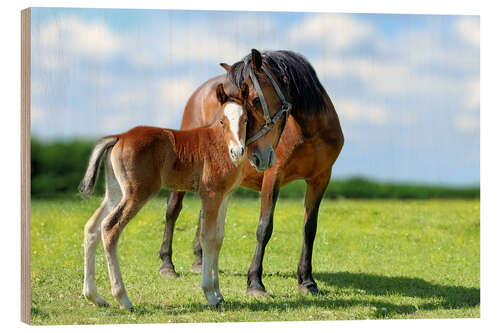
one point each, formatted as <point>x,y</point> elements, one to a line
<point>302,86</point>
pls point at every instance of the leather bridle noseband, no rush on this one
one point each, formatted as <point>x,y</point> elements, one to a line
<point>270,122</point>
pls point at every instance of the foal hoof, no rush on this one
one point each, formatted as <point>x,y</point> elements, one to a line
<point>96,300</point>
<point>102,303</point>
<point>213,299</point>
<point>196,267</point>
<point>124,307</point>
<point>308,289</point>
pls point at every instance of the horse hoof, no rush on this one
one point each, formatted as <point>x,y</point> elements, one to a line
<point>196,268</point>
<point>309,289</point>
<point>252,292</point>
<point>168,272</point>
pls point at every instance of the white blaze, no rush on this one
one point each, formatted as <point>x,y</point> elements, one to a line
<point>233,113</point>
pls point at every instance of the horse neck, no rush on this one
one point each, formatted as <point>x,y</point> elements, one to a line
<point>313,123</point>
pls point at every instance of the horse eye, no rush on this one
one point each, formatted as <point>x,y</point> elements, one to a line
<point>221,122</point>
<point>256,102</point>
<point>245,120</point>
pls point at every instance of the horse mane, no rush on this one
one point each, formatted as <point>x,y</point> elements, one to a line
<point>303,88</point>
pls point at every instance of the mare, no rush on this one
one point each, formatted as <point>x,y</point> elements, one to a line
<point>206,160</point>
<point>311,141</point>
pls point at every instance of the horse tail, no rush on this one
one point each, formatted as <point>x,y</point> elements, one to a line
<point>88,182</point>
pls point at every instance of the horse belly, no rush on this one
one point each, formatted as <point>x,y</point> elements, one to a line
<point>180,179</point>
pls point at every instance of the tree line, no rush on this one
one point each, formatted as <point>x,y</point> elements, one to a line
<point>57,168</point>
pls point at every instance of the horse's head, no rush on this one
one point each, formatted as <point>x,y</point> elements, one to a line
<point>233,120</point>
<point>259,91</point>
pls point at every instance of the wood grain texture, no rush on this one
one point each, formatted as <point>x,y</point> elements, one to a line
<point>25,164</point>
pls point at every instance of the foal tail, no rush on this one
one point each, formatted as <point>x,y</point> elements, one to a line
<point>87,184</point>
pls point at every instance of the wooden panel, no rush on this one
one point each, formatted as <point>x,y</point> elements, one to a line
<point>25,164</point>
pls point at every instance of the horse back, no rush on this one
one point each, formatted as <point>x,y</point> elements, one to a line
<point>203,106</point>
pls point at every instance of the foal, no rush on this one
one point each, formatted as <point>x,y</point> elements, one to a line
<point>207,160</point>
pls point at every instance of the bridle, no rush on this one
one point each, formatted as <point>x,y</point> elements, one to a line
<point>270,122</point>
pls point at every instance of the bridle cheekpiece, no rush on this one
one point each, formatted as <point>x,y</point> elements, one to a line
<point>270,122</point>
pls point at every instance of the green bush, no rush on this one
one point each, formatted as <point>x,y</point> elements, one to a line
<point>58,167</point>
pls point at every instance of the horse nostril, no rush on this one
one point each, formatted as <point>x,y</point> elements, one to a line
<point>256,160</point>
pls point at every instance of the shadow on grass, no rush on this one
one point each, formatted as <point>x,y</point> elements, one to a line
<point>452,297</point>
<point>367,285</point>
<point>379,309</point>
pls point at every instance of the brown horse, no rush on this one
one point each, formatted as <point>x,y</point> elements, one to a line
<point>207,160</point>
<point>310,144</point>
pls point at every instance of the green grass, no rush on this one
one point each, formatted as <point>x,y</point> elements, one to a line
<point>372,259</point>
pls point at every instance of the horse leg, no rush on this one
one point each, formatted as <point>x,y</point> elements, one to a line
<point>173,209</point>
<point>111,229</point>
<point>269,195</point>
<point>211,235</point>
<point>196,267</point>
<point>92,235</point>
<point>314,194</point>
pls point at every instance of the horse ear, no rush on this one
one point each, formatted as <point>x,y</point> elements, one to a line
<point>256,59</point>
<point>221,94</point>
<point>225,66</point>
<point>244,91</point>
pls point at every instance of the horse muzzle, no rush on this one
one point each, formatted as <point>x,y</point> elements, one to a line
<point>262,161</point>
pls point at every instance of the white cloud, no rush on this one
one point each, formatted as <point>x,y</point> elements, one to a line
<point>467,123</point>
<point>130,98</point>
<point>472,97</point>
<point>427,48</point>
<point>159,104</point>
<point>117,122</point>
<point>468,29</point>
<point>77,36</point>
<point>355,111</point>
<point>253,24</point>
<point>37,114</point>
<point>388,78</point>
<point>200,46</point>
<point>175,91</point>
<point>335,31</point>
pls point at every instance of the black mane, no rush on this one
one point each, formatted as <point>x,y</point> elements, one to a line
<point>303,88</point>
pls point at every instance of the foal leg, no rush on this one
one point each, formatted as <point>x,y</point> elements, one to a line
<point>90,243</point>
<point>92,235</point>
<point>269,196</point>
<point>314,194</point>
<point>221,220</point>
<point>211,241</point>
<point>111,229</point>
<point>173,209</point>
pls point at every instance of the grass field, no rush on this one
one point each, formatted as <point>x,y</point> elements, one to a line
<point>372,259</point>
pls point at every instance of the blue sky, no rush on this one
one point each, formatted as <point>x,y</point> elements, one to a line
<point>406,87</point>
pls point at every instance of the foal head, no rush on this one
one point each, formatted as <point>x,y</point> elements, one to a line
<point>233,121</point>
